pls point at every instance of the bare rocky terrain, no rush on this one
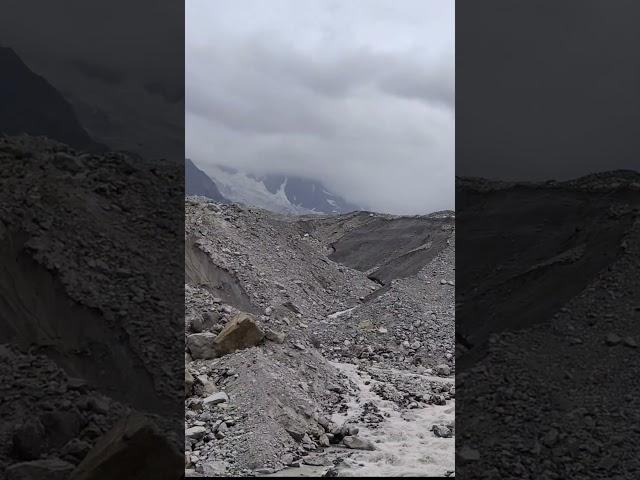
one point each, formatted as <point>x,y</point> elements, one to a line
<point>548,328</point>
<point>88,296</point>
<point>318,344</point>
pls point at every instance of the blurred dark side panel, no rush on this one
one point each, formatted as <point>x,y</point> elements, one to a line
<point>91,239</point>
<point>548,229</point>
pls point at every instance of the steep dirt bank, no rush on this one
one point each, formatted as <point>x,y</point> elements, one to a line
<point>384,246</point>
<point>41,318</point>
<point>534,240</point>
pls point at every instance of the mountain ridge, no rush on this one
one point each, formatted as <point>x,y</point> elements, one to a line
<point>275,192</point>
<point>199,183</point>
<point>29,104</point>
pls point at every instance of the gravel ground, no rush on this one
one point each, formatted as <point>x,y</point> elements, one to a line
<point>282,392</point>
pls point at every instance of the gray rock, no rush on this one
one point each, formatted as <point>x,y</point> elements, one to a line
<point>201,345</point>
<point>443,370</point>
<point>97,404</point>
<point>612,339</point>
<point>442,431</point>
<point>195,432</point>
<point>277,337</point>
<point>208,387</point>
<point>222,427</point>
<point>219,397</point>
<point>239,333</point>
<point>323,440</point>
<point>296,433</point>
<point>325,423</point>
<point>197,324</point>
<point>76,448</point>
<point>358,443</point>
<point>352,430</point>
<point>210,319</point>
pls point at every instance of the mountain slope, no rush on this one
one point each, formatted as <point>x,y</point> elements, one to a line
<point>198,183</point>
<point>29,104</point>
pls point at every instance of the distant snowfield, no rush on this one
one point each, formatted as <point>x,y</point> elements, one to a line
<point>405,444</point>
<point>241,188</point>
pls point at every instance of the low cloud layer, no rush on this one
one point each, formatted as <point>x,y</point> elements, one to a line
<point>359,95</point>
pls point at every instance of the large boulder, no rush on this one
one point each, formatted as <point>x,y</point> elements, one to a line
<point>132,449</point>
<point>240,332</point>
<point>201,345</point>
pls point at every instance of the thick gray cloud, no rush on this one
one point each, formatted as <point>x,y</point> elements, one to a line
<point>358,94</point>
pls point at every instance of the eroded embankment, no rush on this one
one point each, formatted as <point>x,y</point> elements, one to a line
<point>37,315</point>
<point>533,243</point>
<point>200,271</point>
<point>389,248</point>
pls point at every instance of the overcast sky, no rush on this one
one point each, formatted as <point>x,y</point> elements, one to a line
<point>357,94</point>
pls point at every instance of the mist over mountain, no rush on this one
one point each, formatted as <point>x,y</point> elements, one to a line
<point>278,193</point>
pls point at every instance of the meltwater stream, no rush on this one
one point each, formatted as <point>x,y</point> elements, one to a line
<point>405,444</point>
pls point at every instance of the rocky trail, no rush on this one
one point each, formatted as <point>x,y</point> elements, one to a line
<point>293,367</point>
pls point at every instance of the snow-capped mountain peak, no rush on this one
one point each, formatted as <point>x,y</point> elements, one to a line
<point>279,193</point>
